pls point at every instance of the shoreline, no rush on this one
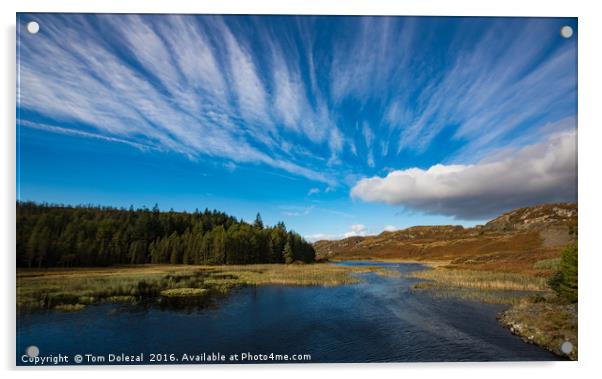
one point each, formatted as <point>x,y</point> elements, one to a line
<point>522,317</point>
<point>530,321</point>
<point>428,263</point>
<point>519,317</point>
<point>537,320</point>
<point>73,289</point>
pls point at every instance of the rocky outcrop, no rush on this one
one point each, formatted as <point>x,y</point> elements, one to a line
<point>535,218</point>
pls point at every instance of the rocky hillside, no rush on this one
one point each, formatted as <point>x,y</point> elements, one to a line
<point>540,217</point>
<point>522,240</point>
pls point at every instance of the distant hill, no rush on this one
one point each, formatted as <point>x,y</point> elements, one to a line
<point>514,241</point>
<point>539,217</point>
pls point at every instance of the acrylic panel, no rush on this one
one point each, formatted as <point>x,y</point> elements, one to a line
<point>254,189</point>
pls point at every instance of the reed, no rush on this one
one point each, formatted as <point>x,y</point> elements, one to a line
<point>480,280</point>
<point>73,289</point>
<point>547,264</point>
<point>184,292</point>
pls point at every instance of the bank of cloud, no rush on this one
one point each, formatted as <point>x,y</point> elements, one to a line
<point>539,173</point>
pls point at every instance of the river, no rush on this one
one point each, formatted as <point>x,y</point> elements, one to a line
<point>379,319</point>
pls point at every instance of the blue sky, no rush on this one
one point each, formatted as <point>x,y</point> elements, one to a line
<point>337,126</point>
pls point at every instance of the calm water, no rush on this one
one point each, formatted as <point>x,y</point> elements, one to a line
<point>378,320</point>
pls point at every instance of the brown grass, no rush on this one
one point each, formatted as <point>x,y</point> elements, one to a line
<point>547,324</point>
<point>480,280</point>
<point>185,292</point>
<point>513,253</point>
<point>72,289</point>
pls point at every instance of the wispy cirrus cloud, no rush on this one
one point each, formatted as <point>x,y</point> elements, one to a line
<point>250,92</point>
<point>329,99</point>
<point>296,211</point>
<point>80,133</point>
<point>157,81</point>
<point>485,105</point>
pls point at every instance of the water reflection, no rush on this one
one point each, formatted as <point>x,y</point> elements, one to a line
<point>377,320</point>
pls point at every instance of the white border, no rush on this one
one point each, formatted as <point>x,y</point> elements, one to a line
<point>589,184</point>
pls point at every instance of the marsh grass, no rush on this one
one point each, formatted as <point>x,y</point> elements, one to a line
<point>184,292</point>
<point>69,307</point>
<point>486,286</point>
<point>444,278</point>
<point>64,289</point>
<point>325,275</point>
<point>547,264</point>
<point>486,296</point>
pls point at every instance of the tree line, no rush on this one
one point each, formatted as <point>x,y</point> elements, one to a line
<point>66,236</point>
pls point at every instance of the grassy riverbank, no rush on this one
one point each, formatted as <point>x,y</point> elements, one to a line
<point>535,312</point>
<point>487,286</point>
<point>525,258</point>
<point>73,289</point>
<point>549,324</point>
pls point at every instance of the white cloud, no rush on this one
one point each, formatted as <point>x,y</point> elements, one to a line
<point>313,191</point>
<point>80,133</point>
<point>230,166</point>
<point>250,91</point>
<point>355,230</point>
<point>335,142</point>
<point>362,68</point>
<point>174,98</point>
<point>289,96</point>
<point>543,172</point>
<point>368,140</point>
<point>201,86</point>
<point>488,104</point>
<point>368,134</point>
<point>295,211</point>
<point>319,236</point>
<point>352,147</point>
<point>370,158</point>
<point>390,228</point>
<point>294,110</point>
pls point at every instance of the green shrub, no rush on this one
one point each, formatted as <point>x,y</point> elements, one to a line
<point>564,281</point>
